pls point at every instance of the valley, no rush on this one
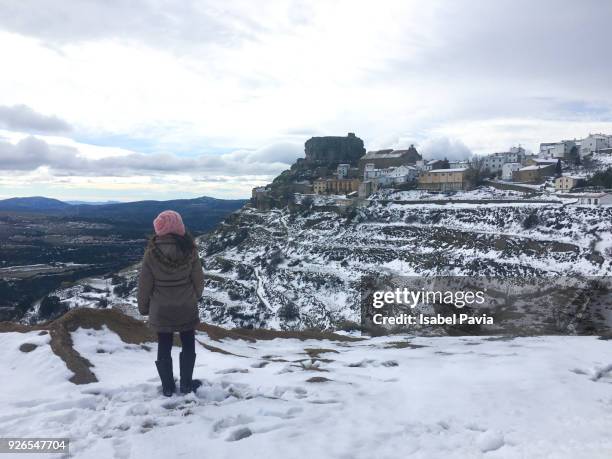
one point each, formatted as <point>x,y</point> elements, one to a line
<point>48,246</point>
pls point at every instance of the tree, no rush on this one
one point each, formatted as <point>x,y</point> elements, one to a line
<point>558,169</point>
<point>477,173</point>
<point>474,176</point>
<point>601,179</point>
<point>444,164</point>
<point>574,156</point>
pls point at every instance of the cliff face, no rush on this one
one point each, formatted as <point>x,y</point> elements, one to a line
<point>299,269</point>
<point>331,150</point>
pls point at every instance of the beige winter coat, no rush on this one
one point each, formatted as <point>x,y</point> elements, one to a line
<point>169,286</point>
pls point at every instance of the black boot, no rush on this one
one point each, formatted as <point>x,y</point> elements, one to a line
<point>164,368</point>
<point>188,384</point>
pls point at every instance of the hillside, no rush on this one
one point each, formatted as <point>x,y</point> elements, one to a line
<point>301,266</point>
<point>90,377</point>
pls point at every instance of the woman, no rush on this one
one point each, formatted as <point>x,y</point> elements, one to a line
<point>170,283</point>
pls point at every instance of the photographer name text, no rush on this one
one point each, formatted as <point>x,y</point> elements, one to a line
<point>437,319</point>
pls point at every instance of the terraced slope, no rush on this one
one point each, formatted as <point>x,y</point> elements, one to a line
<point>301,267</point>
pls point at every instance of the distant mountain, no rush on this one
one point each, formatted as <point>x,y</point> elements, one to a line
<point>200,214</point>
<point>33,204</point>
<point>91,203</point>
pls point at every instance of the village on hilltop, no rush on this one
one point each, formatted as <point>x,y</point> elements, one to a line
<point>341,167</point>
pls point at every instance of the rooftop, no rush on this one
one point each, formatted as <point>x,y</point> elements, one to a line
<point>457,169</point>
<point>388,153</point>
<point>532,168</point>
<point>590,195</point>
<point>574,177</point>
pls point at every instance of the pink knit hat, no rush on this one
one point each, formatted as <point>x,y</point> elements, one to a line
<point>168,222</point>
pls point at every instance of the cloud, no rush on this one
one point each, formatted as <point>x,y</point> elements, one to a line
<point>535,43</point>
<point>23,118</point>
<point>168,22</point>
<point>31,153</point>
<point>249,78</point>
<point>282,152</point>
<point>444,147</point>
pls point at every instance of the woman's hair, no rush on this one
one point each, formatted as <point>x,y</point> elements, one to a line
<point>186,243</point>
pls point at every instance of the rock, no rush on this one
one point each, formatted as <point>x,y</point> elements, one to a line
<point>27,347</point>
<point>332,149</point>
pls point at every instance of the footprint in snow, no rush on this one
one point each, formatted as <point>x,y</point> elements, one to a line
<point>261,364</point>
<point>490,441</point>
<point>370,362</point>
<point>600,373</point>
<point>230,421</point>
<point>578,371</point>
<point>232,370</point>
<point>239,434</point>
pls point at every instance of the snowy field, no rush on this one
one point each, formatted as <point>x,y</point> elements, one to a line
<point>392,397</point>
<point>483,192</point>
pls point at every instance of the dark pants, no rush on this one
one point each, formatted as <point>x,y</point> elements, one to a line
<point>164,344</point>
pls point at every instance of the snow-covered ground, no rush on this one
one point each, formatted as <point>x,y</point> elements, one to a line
<point>481,193</point>
<point>454,397</point>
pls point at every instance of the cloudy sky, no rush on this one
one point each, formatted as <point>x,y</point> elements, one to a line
<point>162,99</point>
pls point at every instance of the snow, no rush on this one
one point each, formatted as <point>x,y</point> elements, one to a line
<point>484,192</point>
<point>384,397</point>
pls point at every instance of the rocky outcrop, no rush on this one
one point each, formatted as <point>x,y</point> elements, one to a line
<point>330,150</point>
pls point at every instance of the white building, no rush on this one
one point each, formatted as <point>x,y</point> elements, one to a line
<point>557,149</point>
<point>594,199</point>
<point>595,143</point>
<point>494,162</point>
<point>508,169</point>
<point>403,174</point>
<point>390,175</point>
<point>459,164</point>
<point>428,164</point>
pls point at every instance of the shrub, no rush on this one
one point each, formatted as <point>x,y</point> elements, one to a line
<point>244,272</point>
<point>224,265</point>
<point>275,259</point>
<point>601,179</point>
<point>51,307</point>
<point>531,220</point>
<point>289,312</point>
